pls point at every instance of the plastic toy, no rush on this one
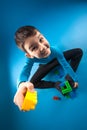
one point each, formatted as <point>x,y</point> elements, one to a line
<point>59,73</point>
<point>56,72</point>
<point>56,98</point>
<point>30,101</point>
<point>66,88</point>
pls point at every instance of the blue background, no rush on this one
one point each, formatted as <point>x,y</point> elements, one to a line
<point>65,25</point>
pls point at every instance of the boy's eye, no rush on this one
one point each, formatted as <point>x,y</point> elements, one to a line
<point>34,48</point>
<point>41,39</point>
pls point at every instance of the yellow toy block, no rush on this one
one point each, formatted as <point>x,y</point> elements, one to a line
<point>30,101</point>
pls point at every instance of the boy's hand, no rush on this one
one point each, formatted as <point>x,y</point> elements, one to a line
<point>71,81</point>
<point>75,84</point>
<point>20,94</point>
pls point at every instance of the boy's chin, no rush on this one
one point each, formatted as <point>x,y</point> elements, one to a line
<point>45,56</point>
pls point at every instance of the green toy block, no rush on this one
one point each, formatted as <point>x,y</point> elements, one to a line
<point>56,72</point>
<point>67,89</point>
<point>67,96</point>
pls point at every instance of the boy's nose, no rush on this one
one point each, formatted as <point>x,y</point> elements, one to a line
<point>42,49</point>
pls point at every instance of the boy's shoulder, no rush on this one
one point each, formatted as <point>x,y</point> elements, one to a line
<point>55,49</point>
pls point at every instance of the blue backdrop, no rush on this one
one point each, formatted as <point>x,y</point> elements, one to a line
<point>65,25</point>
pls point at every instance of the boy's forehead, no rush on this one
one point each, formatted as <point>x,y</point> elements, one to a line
<point>38,34</point>
<point>31,40</point>
<point>35,37</point>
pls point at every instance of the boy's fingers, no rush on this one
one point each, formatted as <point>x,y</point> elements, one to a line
<point>20,94</point>
<point>15,99</point>
<point>31,89</point>
<point>18,100</point>
<point>75,84</point>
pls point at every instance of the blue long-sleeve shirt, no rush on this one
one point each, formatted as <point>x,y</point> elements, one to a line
<point>55,53</point>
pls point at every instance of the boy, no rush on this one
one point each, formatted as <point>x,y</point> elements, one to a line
<point>38,50</point>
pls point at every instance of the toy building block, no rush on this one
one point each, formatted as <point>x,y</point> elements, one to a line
<point>59,72</point>
<point>65,87</point>
<point>73,94</point>
<point>30,101</point>
<point>56,98</point>
<point>68,95</point>
<point>56,72</point>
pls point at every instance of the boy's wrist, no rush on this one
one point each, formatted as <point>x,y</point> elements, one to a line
<point>26,84</point>
<point>20,84</point>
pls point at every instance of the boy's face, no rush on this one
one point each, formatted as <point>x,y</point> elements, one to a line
<point>37,46</point>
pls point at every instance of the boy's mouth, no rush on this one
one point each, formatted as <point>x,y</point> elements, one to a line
<point>44,54</point>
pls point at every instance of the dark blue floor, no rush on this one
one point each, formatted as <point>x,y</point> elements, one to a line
<point>65,25</point>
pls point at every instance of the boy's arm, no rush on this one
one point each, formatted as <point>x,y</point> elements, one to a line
<point>25,73</point>
<point>21,92</point>
<point>66,66</point>
<point>23,84</point>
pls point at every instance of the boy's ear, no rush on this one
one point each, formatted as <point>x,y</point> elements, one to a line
<point>28,55</point>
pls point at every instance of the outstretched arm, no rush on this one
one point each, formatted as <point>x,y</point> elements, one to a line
<point>23,84</point>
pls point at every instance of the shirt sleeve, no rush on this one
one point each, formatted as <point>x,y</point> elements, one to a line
<point>25,73</point>
<point>66,66</point>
